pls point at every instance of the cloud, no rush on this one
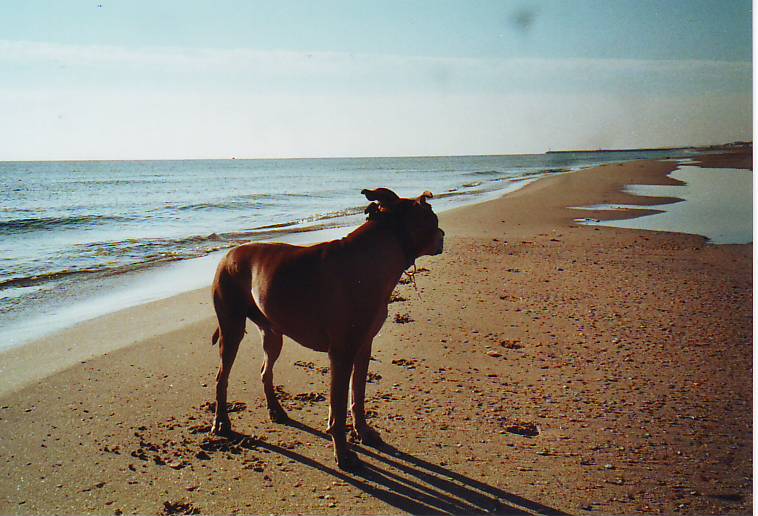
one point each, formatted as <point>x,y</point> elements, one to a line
<point>105,102</point>
<point>303,72</point>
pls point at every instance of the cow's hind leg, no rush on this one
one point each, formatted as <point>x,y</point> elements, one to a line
<point>231,330</point>
<point>272,347</point>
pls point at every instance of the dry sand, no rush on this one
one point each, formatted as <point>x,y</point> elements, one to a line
<point>629,352</point>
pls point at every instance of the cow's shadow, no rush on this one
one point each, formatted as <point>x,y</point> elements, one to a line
<point>420,487</point>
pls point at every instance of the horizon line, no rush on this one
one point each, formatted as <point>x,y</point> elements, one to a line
<point>235,158</point>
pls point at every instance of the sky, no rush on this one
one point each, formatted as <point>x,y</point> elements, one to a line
<point>107,79</point>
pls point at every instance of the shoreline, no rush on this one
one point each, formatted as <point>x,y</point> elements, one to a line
<point>35,306</point>
<point>58,357</point>
<point>162,281</point>
<point>61,347</point>
<point>527,317</point>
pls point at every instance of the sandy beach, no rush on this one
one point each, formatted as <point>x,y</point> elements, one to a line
<point>625,355</point>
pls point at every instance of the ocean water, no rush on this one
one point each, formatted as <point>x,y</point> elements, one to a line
<point>72,231</point>
<point>717,203</point>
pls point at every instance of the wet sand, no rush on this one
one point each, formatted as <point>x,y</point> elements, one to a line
<point>628,353</point>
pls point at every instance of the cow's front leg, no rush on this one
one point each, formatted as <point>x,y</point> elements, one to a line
<point>340,368</point>
<point>361,430</point>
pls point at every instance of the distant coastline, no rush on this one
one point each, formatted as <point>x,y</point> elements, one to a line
<point>723,146</point>
<point>641,149</point>
<point>698,148</point>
